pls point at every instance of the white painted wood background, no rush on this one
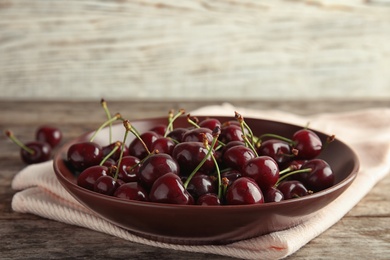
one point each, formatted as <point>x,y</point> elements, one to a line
<point>194,49</point>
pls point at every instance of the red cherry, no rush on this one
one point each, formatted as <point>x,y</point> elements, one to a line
<point>319,178</point>
<point>128,168</point>
<point>201,184</point>
<point>137,148</point>
<point>210,123</point>
<point>208,199</point>
<point>263,169</point>
<point>237,156</point>
<point>169,189</point>
<point>88,177</point>
<point>85,154</point>
<point>231,132</point>
<point>163,145</point>
<point>307,143</point>
<point>292,189</point>
<point>32,152</point>
<point>155,166</point>
<point>244,191</point>
<point>131,191</point>
<point>106,185</point>
<point>272,194</point>
<point>279,150</point>
<point>115,156</point>
<point>49,134</point>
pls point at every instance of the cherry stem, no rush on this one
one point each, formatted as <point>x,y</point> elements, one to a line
<point>225,184</point>
<point>291,142</point>
<point>13,138</point>
<point>117,116</point>
<point>104,105</point>
<point>248,143</point>
<point>116,147</point>
<point>126,125</point>
<point>209,152</point>
<point>291,173</point>
<point>193,121</point>
<point>171,120</point>
<point>329,139</point>
<point>129,127</point>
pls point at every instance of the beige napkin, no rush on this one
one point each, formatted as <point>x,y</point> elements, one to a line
<point>366,131</point>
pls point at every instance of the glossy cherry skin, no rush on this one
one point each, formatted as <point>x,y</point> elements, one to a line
<point>208,199</point>
<point>88,177</point>
<point>237,156</point>
<point>137,149</point>
<point>292,189</point>
<point>279,150</point>
<point>319,178</point>
<point>244,191</point>
<point>231,175</point>
<point>307,143</point>
<point>210,123</point>
<point>197,135</point>
<point>85,154</point>
<point>201,184</point>
<point>155,166</point>
<point>128,168</point>
<point>106,185</point>
<point>41,152</point>
<point>132,191</point>
<point>177,134</point>
<point>231,132</point>
<point>169,189</point>
<point>163,145</point>
<point>273,194</point>
<point>189,155</point>
<point>49,134</point>
<point>263,169</point>
<point>159,129</point>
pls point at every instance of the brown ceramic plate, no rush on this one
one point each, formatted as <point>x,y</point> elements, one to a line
<point>192,224</point>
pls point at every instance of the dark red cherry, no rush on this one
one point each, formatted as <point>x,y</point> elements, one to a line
<point>279,150</point>
<point>263,169</point>
<point>131,191</point>
<point>208,199</point>
<point>189,155</point>
<point>177,134</point>
<point>231,175</point>
<point>159,129</point>
<point>292,189</point>
<point>244,191</point>
<point>128,168</point>
<point>201,184</point>
<point>231,132</point>
<point>272,194</point>
<point>197,135</point>
<point>319,178</point>
<point>49,134</point>
<point>308,144</point>
<point>32,152</point>
<point>115,156</point>
<point>210,123</point>
<point>88,177</point>
<point>41,153</point>
<point>155,166</point>
<point>85,154</point>
<point>163,145</point>
<point>169,189</point>
<point>106,185</point>
<point>237,156</point>
<point>137,149</point>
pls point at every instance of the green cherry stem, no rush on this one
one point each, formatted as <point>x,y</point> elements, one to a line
<point>108,114</point>
<point>13,138</point>
<point>171,120</point>
<point>130,128</point>
<point>209,152</point>
<point>127,130</point>
<point>117,116</point>
<point>291,173</point>
<point>116,147</point>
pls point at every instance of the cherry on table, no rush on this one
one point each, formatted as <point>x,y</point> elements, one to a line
<point>31,152</point>
<point>49,134</point>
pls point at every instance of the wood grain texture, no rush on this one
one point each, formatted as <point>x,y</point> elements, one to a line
<point>362,234</point>
<point>194,49</point>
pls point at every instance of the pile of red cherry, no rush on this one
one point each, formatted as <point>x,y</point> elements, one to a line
<point>207,163</point>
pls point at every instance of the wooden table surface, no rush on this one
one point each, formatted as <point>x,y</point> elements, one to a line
<point>364,233</point>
